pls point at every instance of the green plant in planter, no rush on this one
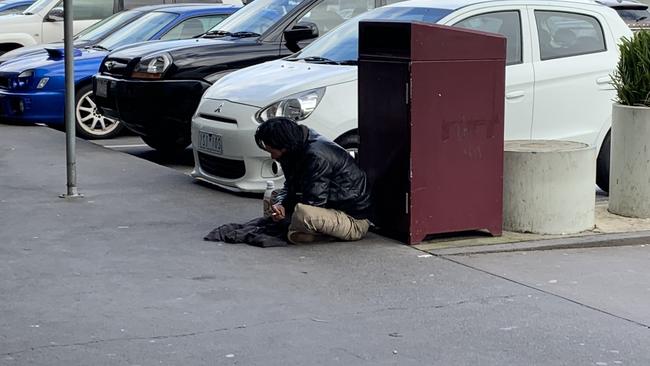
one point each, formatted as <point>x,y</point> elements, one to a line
<point>632,75</point>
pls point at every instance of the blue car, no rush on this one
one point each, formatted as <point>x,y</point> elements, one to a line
<point>32,86</point>
<point>14,6</point>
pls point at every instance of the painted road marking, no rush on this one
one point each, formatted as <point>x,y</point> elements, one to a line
<point>125,146</point>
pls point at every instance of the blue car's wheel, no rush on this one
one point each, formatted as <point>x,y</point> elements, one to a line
<point>90,123</point>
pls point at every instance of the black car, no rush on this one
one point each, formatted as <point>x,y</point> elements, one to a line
<point>155,88</point>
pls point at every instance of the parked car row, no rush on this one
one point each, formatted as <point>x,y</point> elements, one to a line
<point>42,21</point>
<point>32,86</point>
<point>158,102</point>
<point>213,87</point>
<point>560,55</point>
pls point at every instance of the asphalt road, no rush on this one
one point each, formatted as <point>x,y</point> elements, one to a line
<point>135,146</point>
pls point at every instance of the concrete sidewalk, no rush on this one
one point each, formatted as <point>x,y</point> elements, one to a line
<point>610,230</point>
<point>123,277</point>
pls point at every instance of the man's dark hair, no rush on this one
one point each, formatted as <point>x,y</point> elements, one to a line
<point>280,133</point>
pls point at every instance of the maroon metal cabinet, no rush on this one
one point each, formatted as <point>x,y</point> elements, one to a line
<point>431,107</point>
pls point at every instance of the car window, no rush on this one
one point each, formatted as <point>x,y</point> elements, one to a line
<point>193,27</point>
<point>38,6</point>
<point>16,10</point>
<point>90,9</point>
<point>330,13</point>
<point>631,15</point>
<point>342,45</point>
<point>505,23</point>
<point>257,17</point>
<point>568,34</point>
<point>140,30</point>
<point>100,29</point>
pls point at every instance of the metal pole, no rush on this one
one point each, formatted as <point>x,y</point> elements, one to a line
<point>70,133</point>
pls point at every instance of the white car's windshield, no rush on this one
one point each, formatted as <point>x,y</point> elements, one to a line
<point>138,31</point>
<point>255,18</point>
<point>101,29</point>
<point>341,44</point>
<point>37,6</point>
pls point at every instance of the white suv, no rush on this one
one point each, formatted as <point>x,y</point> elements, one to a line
<point>43,21</point>
<point>560,56</point>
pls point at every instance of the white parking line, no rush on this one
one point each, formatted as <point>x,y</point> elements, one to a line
<point>125,146</point>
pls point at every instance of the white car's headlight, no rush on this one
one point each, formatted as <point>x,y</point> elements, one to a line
<point>152,67</point>
<point>296,107</point>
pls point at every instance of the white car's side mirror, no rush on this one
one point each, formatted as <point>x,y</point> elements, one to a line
<point>55,15</point>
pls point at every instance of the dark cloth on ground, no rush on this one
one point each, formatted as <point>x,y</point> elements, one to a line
<point>261,232</point>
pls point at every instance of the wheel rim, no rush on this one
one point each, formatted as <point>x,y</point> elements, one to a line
<point>90,120</point>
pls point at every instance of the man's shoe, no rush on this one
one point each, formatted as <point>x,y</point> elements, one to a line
<point>297,237</point>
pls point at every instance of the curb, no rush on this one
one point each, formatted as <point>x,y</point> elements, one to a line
<point>597,241</point>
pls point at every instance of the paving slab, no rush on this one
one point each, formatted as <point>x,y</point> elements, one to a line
<point>610,230</point>
<point>123,277</point>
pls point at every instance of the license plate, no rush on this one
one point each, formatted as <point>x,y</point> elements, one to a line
<point>210,142</point>
<point>102,88</point>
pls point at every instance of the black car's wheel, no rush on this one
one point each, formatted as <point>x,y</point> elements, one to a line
<point>167,144</point>
<point>602,164</point>
<point>90,123</point>
<point>350,142</point>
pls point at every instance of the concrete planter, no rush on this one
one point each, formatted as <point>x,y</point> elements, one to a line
<point>629,177</point>
<point>548,187</point>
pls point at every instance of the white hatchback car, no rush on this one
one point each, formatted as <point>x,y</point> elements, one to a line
<point>560,56</point>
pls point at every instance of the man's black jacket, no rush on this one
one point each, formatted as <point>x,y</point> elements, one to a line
<point>323,174</point>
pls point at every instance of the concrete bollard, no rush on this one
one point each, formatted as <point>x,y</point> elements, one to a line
<point>629,178</point>
<point>548,187</point>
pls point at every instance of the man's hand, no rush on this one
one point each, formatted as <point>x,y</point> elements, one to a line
<point>278,213</point>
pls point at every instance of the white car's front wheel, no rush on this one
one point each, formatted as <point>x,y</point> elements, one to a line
<point>90,123</point>
<point>350,142</point>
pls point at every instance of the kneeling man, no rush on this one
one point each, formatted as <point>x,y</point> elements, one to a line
<point>325,195</point>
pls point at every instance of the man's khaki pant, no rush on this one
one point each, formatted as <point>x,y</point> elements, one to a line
<point>323,221</point>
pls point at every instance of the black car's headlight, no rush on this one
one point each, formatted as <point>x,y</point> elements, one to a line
<point>153,67</point>
<point>296,107</point>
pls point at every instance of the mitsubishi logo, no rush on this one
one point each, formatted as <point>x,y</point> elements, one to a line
<point>218,110</point>
<point>110,65</point>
